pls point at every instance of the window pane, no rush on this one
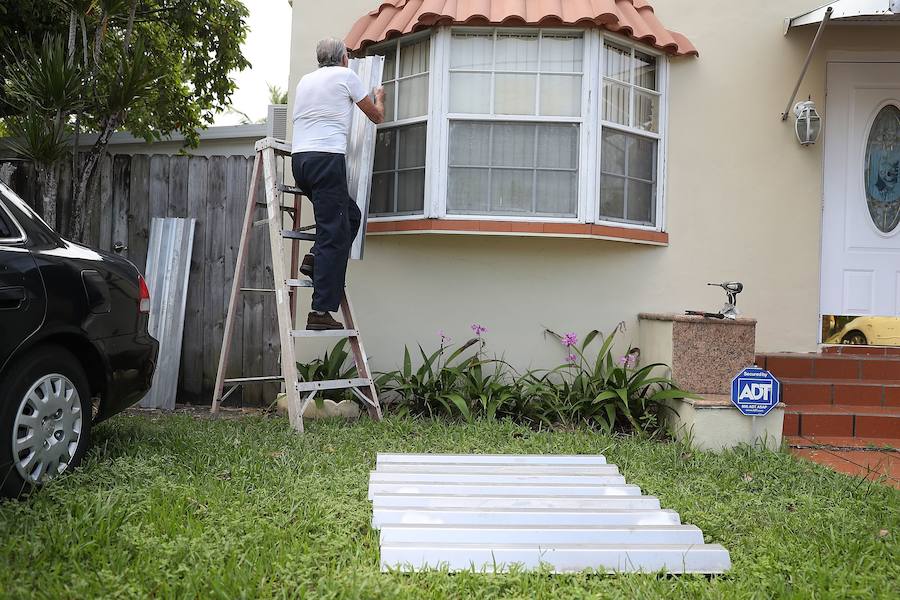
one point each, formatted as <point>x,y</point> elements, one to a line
<point>390,64</point>
<point>516,52</point>
<point>390,99</point>
<point>412,146</point>
<point>413,100</point>
<point>561,95</point>
<point>645,70</point>
<point>468,191</point>
<point>385,149</point>
<point>557,193</point>
<point>612,154</point>
<point>512,191</point>
<point>641,202</point>
<point>646,107</point>
<point>641,158</point>
<point>414,58</point>
<point>615,102</point>
<point>513,145</point>
<point>411,191</point>
<point>471,51</point>
<point>515,94</point>
<point>470,93</point>
<point>617,63</point>
<point>381,201</point>
<point>470,144</point>
<point>561,53</point>
<point>612,197</point>
<point>557,146</point>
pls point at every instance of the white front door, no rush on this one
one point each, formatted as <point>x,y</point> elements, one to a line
<point>861,220</point>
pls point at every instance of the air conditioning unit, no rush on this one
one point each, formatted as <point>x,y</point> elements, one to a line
<point>278,121</point>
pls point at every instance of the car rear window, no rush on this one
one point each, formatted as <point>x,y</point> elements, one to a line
<point>6,228</point>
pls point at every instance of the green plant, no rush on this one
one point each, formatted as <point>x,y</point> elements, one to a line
<point>332,366</point>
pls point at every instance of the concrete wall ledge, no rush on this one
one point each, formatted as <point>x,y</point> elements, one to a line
<point>681,318</point>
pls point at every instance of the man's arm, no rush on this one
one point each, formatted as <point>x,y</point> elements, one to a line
<point>373,110</point>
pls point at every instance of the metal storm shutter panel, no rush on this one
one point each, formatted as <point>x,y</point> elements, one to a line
<point>278,121</point>
<point>167,273</point>
<point>489,512</point>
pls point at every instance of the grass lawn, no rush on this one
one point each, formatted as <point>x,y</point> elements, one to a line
<point>174,507</point>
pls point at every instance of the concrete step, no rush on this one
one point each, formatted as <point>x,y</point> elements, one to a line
<point>833,441</point>
<point>832,366</point>
<point>863,350</point>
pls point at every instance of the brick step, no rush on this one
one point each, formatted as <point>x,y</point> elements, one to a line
<point>863,350</point>
<point>831,366</point>
<point>831,441</point>
<point>795,392</point>
<point>842,420</point>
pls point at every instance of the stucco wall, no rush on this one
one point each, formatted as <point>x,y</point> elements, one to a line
<point>743,202</point>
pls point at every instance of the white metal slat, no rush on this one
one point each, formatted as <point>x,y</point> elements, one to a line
<point>393,500</point>
<point>489,459</point>
<point>513,490</point>
<point>500,469</point>
<point>382,517</point>
<point>708,558</point>
<point>544,536</point>
<point>465,478</point>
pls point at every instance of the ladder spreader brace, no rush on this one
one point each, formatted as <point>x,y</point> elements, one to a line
<point>285,285</point>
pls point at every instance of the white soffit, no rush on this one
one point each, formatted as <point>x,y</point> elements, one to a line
<point>856,12</point>
<point>490,512</point>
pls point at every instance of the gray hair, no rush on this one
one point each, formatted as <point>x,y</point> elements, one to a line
<point>331,52</point>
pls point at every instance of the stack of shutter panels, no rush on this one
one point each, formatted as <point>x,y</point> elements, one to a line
<point>489,512</point>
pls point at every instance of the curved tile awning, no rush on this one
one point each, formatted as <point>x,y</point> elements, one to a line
<point>633,18</point>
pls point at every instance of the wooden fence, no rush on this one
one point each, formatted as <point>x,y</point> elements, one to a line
<point>131,190</point>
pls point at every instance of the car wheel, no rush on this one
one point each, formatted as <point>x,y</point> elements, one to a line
<point>855,338</point>
<point>45,419</point>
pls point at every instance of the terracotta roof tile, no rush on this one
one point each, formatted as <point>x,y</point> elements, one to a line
<point>633,18</point>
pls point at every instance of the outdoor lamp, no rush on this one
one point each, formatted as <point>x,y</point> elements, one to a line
<point>809,123</point>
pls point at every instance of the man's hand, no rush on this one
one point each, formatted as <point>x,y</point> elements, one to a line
<point>373,110</point>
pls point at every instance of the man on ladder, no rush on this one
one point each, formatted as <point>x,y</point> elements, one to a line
<point>322,114</point>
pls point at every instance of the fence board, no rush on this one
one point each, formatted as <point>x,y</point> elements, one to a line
<point>138,213</point>
<point>214,276</point>
<point>236,202</point>
<point>194,326</point>
<point>178,187</point>
<point>105,206</point>
<point>121,179</point>
<point>159,185</point>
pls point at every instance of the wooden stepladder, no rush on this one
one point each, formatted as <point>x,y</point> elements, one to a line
<point>287,281</point>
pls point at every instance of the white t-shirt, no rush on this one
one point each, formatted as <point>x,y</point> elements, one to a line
<point>323,108</point>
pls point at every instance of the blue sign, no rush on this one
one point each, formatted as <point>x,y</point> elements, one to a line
<point>755,392</point>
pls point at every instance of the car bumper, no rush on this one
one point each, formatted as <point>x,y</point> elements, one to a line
<point>132,362</point>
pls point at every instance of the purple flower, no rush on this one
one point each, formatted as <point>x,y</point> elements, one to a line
<point>628,361</point>
<point>478,329</point>
<point>571,358</point>
<point>445,339</point>
<point>569,340</point>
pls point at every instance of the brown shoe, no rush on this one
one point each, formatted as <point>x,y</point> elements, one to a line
<point>306,267</point>
<point>317,322</point>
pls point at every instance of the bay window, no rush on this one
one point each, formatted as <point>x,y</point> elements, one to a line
<point>521,125</point>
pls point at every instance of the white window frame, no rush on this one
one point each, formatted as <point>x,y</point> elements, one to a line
<point>396,44</point>
<point>590,124</point>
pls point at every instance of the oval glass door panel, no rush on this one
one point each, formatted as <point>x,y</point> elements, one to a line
<point>882,169</point>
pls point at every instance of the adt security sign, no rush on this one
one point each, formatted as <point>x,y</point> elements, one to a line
<point>755,392</point>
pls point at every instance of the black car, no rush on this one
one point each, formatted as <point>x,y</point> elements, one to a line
<point>74,346</point>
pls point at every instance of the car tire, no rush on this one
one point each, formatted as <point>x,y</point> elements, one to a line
<point>45,419</point>
<point>855,338</point>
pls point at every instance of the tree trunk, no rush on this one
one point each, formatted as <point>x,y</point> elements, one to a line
<point>48,178</point>
<point>81,212</point>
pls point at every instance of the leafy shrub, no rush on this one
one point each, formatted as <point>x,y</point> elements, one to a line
<point>597,390</point>
<point>334,365</point>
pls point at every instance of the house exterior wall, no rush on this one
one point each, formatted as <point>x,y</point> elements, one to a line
<point>743,201</point>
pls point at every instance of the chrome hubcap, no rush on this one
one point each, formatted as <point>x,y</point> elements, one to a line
<point>47,428</point>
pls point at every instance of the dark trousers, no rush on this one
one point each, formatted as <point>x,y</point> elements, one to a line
<point>323,177</point>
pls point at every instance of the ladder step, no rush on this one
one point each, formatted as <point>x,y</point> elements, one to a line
<point>304,283</point>
<point>287,189</point>
<point>334,384</point>
<point>290,234</point>
<point>287,209</point>
<point>258,290</point>
<point>340,333</point>
<point>255,379</point>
